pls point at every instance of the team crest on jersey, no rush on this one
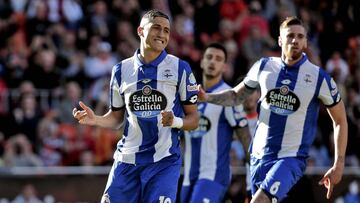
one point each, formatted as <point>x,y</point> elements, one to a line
<point>282,100</point>
<point>307,78</point>
<point>204,127</point>
<point>167,73</point>
<point>147,102</point>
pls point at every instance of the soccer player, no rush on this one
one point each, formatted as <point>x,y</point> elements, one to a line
<point>292,89</point>
<point>207,172</point>
<point>155,93</point>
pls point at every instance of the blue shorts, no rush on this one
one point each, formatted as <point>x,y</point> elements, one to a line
<point>155,182</point>
<point>277,176</point>
<point>203,191</point>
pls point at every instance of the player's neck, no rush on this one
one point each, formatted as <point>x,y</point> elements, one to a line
<point>290,61</point>
<point>148,55</point>
<point>210,82</point>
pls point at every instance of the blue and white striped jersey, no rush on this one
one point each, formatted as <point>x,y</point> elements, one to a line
<point>207,148</point>
<point>144,90</point>
<point>288,106</point>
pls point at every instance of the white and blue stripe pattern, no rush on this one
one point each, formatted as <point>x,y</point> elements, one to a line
<point>135,85</point>
<point>207,148</point>
<point>288,120</point>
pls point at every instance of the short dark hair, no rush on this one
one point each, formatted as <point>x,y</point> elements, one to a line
<point>217,45</point>
<point>292,20</point>
<point>151,14</point>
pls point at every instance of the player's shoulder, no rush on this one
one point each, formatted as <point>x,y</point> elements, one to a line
<point>124,63</point>
<point>271,60</point>
<point>183,64</point>
<point>127,61</point>
<point>171,59</point>
<point>316,69</point>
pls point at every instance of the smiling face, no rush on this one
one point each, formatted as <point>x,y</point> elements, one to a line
<point>154,33</point>
<point>213,63</point>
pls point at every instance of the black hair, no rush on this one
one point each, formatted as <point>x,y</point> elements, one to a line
<point>217,45</point>
<point>151,14</point>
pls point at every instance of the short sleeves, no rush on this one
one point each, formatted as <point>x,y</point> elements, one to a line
<point>116,99</point>
<point>252,77</point>
<point>187,84</point>
<point>329,93</point>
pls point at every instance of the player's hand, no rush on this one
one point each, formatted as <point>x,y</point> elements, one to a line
<point>85,116</point>
<point>331,178</point>
<point>167,118</point>
<point>202,96</point>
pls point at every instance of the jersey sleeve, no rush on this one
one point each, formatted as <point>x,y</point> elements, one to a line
<point>187,84</point>
<point>235,116</point>
<point>116,98</point>
<point>329,93</point>
<point>252,77</point>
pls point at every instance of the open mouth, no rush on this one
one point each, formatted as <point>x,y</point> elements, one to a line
<point>159,41</point>
<point>211,68</point>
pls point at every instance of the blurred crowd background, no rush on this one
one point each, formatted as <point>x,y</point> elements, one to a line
<point>54,53</point>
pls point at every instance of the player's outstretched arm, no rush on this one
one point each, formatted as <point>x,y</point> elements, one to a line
<point>86,116</point>
<point>230,97</point>
<point>334,174</point>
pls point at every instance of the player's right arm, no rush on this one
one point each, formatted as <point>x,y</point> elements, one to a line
<point>112,119</point>
<point>239,93</point>
<point>230,97</point>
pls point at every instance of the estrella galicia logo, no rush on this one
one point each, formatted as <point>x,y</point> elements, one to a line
<point>147,102</point>
<point>282,100</point>
<point>204,127</point>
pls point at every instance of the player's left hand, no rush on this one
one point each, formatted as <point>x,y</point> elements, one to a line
<point>167,118</point>
<point>331,178</point>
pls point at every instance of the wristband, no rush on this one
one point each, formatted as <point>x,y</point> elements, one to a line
<point>177,122</point>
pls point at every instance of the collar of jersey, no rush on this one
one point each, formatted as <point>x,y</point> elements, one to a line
<point>215,86</point>
<point>297,64</point>
<point>153,63</point>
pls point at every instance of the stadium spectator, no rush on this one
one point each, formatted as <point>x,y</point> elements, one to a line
<point>51,145</point>
<point>27,195</point>
<point>256,45</point>
<point>129,11</point>
<point>337,68</point>
<point>19,152</point>
<point>100,22</point>
<point>27,116</point>
<point>71,97</point>
<point>100,64</point>
<point>233,10</point>
<point>126,40</point>
<point>353,195</point>
<point>253,19</point>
